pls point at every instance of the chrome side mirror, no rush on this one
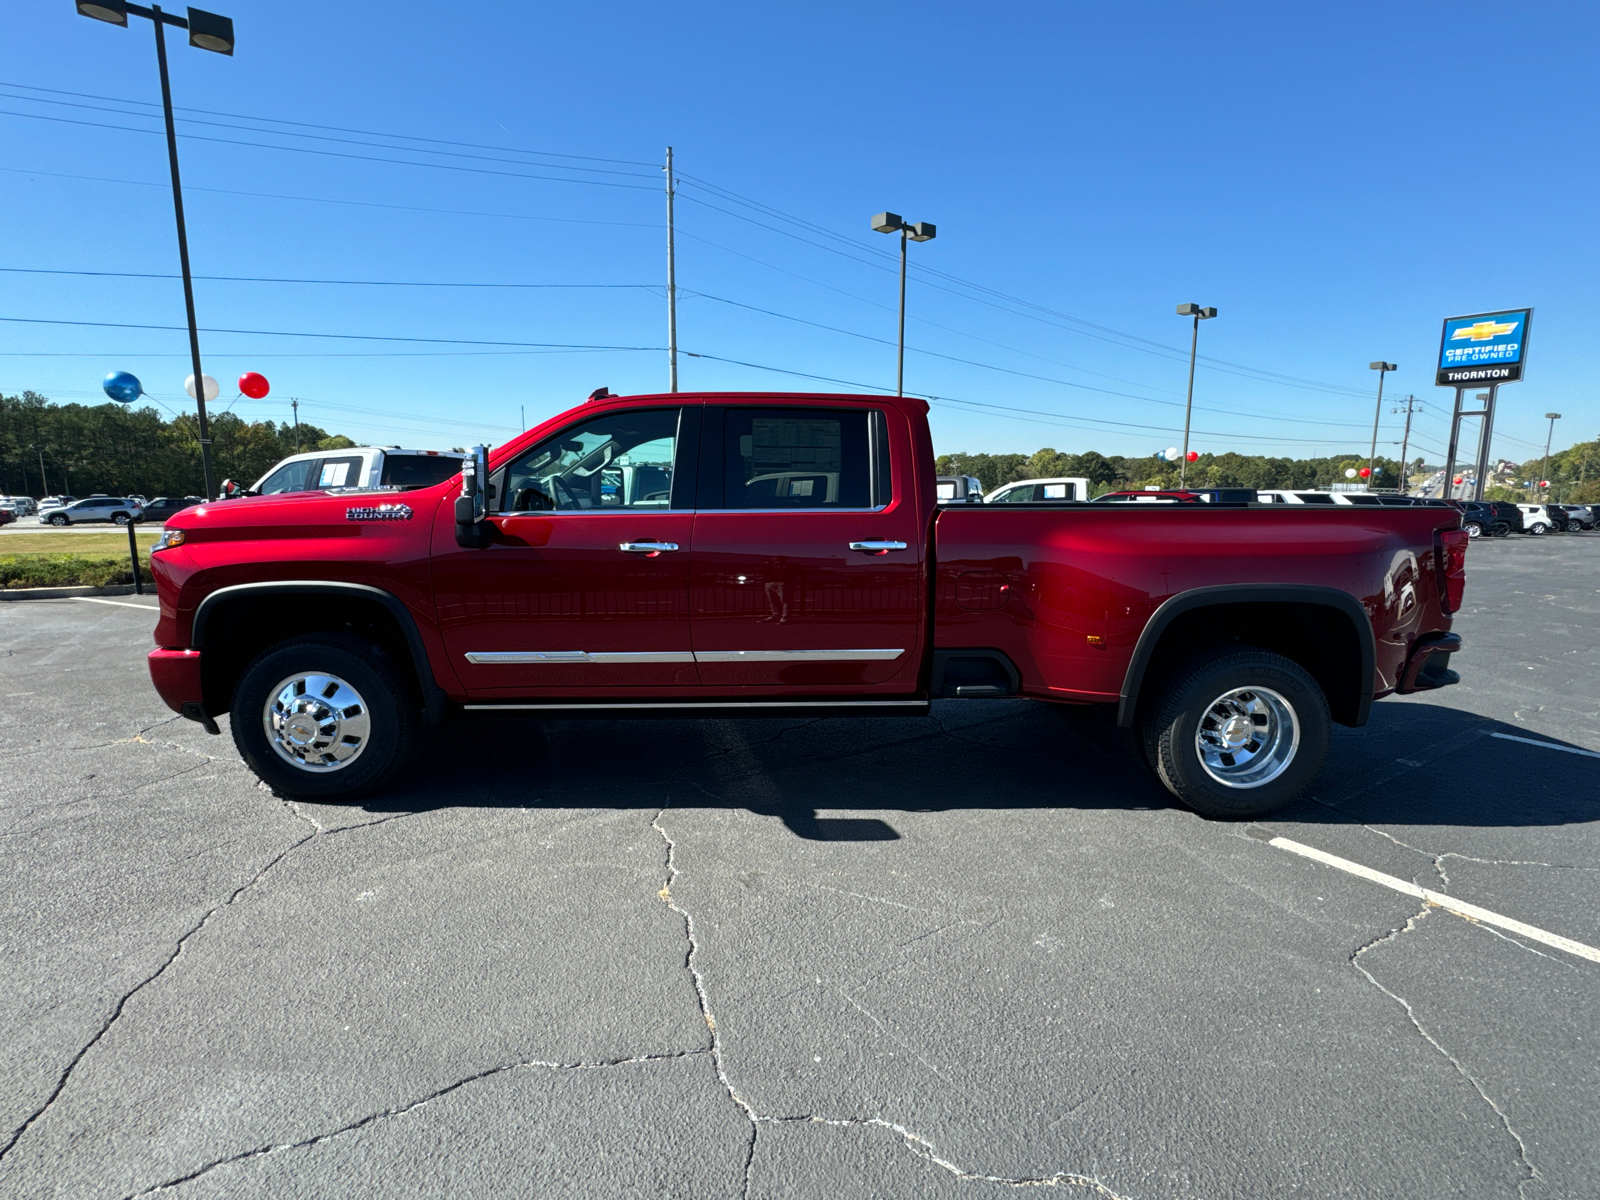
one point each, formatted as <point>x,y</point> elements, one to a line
<point>472,506</point>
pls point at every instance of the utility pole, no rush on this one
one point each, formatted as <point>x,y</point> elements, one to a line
<point>672,282</point>
<point>1545,464</point>
<point>1405,442</point>
<point>295,404</point>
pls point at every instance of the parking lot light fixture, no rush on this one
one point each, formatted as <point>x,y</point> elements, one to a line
<point>1382,368</point>
<point>920,231</point>
<point>1199,314</point>
<point>207,31</point>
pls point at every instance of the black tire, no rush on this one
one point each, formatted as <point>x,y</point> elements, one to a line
<point>1287,763</point>
<point>1501,529</point>
<point>58,519</point>
<point>120,519</point>
<point>1473,529</point>
<point>1538,529</point>
<point>390,731</point>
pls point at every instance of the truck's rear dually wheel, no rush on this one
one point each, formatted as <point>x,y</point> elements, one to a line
<point>323,717</point>
<point>1240,734</point>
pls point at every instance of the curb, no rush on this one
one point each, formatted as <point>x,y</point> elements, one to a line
<point>65,593</point>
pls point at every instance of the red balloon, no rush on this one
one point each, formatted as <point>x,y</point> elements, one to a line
<point>1194,456</point>
<point>1458,479</point>
<point>1365,471</point>
<point>254,385</point>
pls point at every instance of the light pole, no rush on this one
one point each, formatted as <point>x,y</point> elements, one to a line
<point>1382,368</point>
<point>1545,465</point>
<point>922,231</point>
<point>1199,314</point>
<point>207,31</point>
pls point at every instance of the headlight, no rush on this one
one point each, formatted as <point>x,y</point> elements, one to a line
<point>169,538</point>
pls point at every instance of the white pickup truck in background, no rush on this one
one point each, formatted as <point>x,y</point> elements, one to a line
<point>357,467</point>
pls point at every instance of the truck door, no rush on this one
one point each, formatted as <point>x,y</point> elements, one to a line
<point>585,588</point>
<point>808,563</point>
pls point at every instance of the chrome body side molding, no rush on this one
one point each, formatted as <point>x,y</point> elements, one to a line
<point>525,657</point>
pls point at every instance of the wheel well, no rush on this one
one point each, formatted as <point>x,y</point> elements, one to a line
<point>240,628</point>
<point>1318,637</point>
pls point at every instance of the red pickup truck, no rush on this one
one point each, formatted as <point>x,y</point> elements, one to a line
<point>750,554</point>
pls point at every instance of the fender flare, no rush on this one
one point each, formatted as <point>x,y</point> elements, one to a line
<point>434,698</point>
<point>1248,593</point>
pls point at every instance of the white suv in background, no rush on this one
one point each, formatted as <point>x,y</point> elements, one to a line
<point>1536,520</point>
<point>117,509</point>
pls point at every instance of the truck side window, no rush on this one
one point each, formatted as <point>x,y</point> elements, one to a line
<point>291,477</point>
<point>339,472</point>
<point>618,460</point>
<point>779,458</point>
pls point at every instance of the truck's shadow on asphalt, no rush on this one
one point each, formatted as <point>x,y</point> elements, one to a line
<point>1414,764</point>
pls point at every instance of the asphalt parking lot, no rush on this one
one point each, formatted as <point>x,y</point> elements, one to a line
<point>897,958</point>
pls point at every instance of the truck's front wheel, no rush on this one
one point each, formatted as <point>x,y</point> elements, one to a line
<point>323,717</point>
<point>1240,734</point>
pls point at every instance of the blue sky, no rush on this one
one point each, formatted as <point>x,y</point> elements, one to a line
<point>1335,179</point>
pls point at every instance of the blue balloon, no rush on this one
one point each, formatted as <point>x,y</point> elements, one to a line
<point>122,387</point>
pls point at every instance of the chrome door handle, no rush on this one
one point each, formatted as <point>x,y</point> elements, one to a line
<point>647,547</point>
<point>876,546</point>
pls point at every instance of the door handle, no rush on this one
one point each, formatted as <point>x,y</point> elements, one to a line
<point>877,546</point>
<point>650,549</point>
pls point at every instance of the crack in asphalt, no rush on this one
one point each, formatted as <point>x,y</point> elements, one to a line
<point>915,1142</point>
<point>402,1110</point>
<point>1530,1172</point>
<point>117,1009</point>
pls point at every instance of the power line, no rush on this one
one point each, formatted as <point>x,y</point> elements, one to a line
<point>341,282</point>
<point>399,162</point>
<point>1144,344</point>
<point>1007,370</point>
<point>363,337</point>
<point>1025,413</point>
<point>335,128</point>
<point>166,185</point>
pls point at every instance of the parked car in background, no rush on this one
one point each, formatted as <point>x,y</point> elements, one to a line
<point>1537,519</point>
<point>18,506</point>
<point>1038,491</point>
<point>1579,516</point>
<point>958,489</point>
<point>50,502</point>
<point>116,509</point>
<point>7,516</point>
<point>358,467</point>
<point>1480,519</point>
<point>162,507</point>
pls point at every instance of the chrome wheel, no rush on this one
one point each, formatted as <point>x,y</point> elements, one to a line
<point>316,722</point>
<point>1247,737</point>
<point>1473,530</point>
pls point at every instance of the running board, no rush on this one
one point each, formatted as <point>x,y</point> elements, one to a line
<point>710,708</point>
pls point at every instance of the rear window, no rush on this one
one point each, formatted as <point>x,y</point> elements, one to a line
<point>1314,498</point>
<point>418,470</point>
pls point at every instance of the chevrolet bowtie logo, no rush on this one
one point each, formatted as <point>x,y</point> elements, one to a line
<point>1483,330</point>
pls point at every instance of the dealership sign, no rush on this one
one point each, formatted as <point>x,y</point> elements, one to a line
<point>1484,348</point>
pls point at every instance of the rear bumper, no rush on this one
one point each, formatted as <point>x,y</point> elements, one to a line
<point>176,674</point>
<point>1429,665</point>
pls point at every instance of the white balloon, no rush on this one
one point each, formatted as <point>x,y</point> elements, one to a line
<point>1349,472</point>
<point>1172,454</point>
<point>212,390</point>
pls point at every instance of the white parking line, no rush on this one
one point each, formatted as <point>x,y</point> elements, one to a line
<point>1449,903</point>
<point>1511,737</point>
<point>118,603</point>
